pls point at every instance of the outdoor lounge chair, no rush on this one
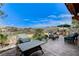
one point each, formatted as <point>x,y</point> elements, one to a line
<point>71,38</point>
<point>53,36</point>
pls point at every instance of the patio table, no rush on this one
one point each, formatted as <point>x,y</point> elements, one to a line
<point>28,48</point>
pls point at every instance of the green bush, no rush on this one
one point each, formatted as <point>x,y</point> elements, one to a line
<point>39,34</point>
<point>3,38</point>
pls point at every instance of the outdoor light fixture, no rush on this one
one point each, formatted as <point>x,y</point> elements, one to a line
<point>77,14</point>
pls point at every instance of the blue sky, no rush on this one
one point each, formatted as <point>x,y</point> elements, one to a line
<point>35,14</point>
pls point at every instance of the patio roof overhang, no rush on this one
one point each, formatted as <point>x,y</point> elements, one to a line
<point>74,9</point>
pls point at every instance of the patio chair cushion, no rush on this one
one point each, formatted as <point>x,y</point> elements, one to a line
<point>22,40</point>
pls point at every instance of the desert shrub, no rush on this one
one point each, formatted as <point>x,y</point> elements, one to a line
<point>3,39</point>
<point>39,34</point>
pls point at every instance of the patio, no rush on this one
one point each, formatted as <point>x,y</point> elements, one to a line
<point>51,48</point>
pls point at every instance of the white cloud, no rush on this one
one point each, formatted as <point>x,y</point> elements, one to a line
<point>11,24</point>
<point>65,15</point>
<point>40,20</point>
<point>26,19</point>
<point>52,16</point>
<point>65,21</point>
<point>34,21</point>
<point>52,23</point>
<point>61,16</point>
<point>45,24</point>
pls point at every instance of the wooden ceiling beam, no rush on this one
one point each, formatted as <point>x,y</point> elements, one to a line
<point>74,9</point>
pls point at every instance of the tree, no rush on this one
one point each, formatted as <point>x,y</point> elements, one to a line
<point>1,4</point>
<point>39,34</point>
<point>64,25</point>
<point>75,23</point>
<point>2,13</point>
<point>3,39</point>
